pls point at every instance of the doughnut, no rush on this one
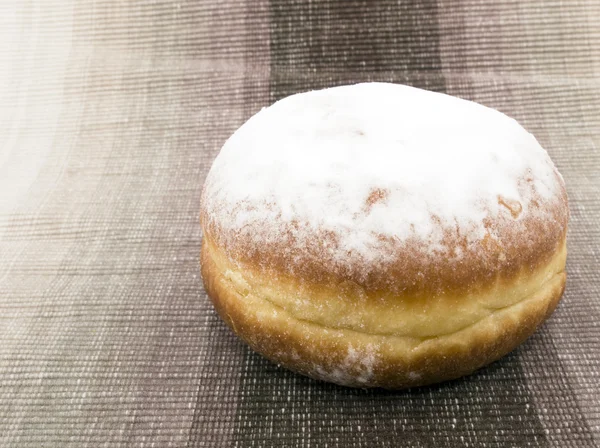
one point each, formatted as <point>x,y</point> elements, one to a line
<point>380,235</point>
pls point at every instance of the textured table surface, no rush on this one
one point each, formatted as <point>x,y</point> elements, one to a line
<point>110,116</point>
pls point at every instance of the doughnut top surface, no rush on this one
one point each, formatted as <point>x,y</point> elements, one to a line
<point>386,185</point>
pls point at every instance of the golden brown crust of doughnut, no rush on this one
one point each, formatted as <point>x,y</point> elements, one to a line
<point>518,238</point>
<point>413,317</point>
<point>258,307</point>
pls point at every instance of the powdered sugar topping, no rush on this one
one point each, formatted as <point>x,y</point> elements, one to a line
<point>356,368</point>
<point>373,160</point>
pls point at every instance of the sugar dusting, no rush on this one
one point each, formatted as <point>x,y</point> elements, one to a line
<point>356,368</point>
<point>374,160</point>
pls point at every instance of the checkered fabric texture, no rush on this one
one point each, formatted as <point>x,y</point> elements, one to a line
<point>111,113</point>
